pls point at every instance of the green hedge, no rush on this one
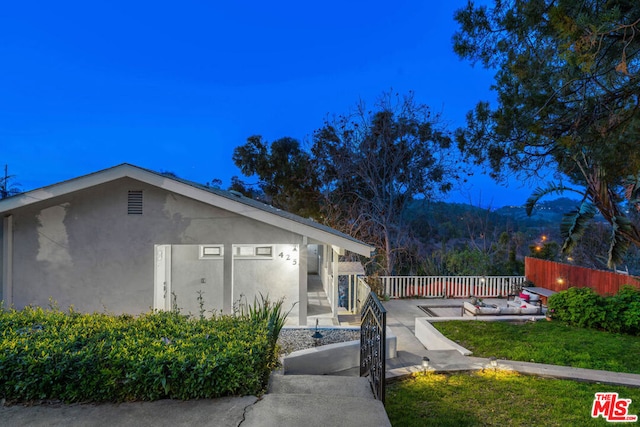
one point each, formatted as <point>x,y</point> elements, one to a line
<point>585,308</point>
<point>49,354</point>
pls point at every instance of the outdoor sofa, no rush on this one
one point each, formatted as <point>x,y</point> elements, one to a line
<point>518,306</point>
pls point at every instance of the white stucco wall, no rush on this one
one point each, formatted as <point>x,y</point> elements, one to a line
<point>83,249</point>
<point>275,278</point>
<point>190,275</point>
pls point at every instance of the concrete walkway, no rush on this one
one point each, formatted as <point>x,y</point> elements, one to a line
<point>291,401</point>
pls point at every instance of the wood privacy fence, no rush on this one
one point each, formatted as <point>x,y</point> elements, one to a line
<point>446,286</point>
<point>560,277</point>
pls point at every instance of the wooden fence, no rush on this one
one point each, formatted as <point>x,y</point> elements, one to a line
<point>560,277</point>
<point>446,286</point>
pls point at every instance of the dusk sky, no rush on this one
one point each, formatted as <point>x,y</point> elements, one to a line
<point>175,86</point>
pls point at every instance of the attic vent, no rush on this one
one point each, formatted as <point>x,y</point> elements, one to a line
<point>134,202</point>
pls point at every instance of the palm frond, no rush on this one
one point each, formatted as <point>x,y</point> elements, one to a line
<point>619,244</point>
<point>632,190</point>
<point>539,192</point>
<point>574,224</point>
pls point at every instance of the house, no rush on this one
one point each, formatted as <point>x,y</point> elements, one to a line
<point>128,240</point>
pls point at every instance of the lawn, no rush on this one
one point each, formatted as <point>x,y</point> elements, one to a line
<point>547,342</point>
<point>496,398</point>
<point>501,398</point>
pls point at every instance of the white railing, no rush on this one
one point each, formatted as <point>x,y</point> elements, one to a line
<point>362,292</point>
<point>448,286</point>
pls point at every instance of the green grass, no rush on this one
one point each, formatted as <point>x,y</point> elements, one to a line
<point>547,342</point>
<point>500,398</point>
<point>496,398</point>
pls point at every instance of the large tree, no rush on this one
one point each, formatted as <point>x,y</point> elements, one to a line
<point>568,95</point>
<point>372,163</point>
<point>284,171</point>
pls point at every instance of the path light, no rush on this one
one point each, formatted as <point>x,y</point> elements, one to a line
<point>493,362</point>
<point>425,364</point>
<point>317,335</point>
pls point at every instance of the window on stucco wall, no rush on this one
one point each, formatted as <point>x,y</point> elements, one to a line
<point>211,251</point>
<point>254,251</point>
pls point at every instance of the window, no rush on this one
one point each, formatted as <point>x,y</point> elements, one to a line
<point>244,251</point>
<point>253,251</point>
<point>134,202</point>
<point>211,251</point>
<point>264,251</point>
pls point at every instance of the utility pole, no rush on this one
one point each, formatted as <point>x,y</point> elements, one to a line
<point>5,189</point>
<point>3,186</point>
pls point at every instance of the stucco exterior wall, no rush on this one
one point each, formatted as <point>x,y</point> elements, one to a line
<point>275,278</point>
<point>190,275</point>
<point>83,249</point>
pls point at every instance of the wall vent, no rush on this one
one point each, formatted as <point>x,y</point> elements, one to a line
<point>134,202</point>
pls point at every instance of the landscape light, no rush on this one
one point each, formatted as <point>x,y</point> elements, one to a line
<point>317,335</point>
<point>425,363</point>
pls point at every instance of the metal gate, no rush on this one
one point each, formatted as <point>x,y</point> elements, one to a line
<point>373,344</point>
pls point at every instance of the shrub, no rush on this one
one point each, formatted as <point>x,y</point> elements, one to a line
<point>583,307</point>
<point>579,306</point>
<point>631,319</point>
<point>48,354</point>
<point>628,305</point>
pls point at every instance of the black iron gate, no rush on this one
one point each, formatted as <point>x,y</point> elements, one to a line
<point>373,344</point>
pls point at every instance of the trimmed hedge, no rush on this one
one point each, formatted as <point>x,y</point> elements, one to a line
<point>583,307</point>
<point>74,357</point>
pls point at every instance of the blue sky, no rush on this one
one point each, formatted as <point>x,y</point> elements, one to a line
<point>175,86</point>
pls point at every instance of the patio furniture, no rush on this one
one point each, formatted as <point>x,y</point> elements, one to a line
<point>514,291</point>
<point>515,307</point>
<point>543,293</point>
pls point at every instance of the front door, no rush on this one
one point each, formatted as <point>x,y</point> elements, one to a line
<point>312,259</point>
<point>162,278</point>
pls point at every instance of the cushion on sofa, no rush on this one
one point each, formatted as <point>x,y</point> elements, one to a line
<point>489,310</point>
<point>530,309</point>
<point>510,310</point>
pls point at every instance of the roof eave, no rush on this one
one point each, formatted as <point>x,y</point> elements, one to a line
<point>187,190</point>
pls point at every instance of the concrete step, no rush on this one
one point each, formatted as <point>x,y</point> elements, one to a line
<point>321,385</point>
<point>308,410</point>
<point>317,400</point>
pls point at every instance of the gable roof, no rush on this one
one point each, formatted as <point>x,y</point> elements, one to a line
<point>227,200</point>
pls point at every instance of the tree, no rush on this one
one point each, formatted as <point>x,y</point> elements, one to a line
<point>372,164</point>
<point>567,84</point>
<point>6,188</point>
<point>284,171</point>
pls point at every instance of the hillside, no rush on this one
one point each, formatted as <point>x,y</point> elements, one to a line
<point>455,226</point>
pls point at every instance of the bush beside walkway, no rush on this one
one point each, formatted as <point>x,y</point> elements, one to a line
<point>74,357</point>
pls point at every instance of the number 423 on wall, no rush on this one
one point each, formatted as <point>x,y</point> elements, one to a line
<point>288,257</point>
